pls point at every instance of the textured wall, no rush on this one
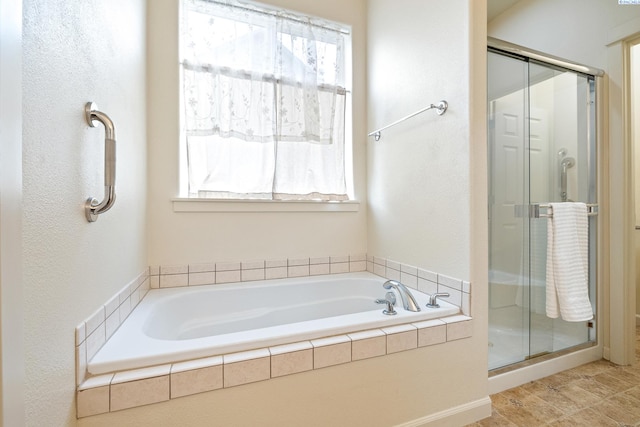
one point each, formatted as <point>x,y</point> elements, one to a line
<point>418,173</point>
<point>76,52</point>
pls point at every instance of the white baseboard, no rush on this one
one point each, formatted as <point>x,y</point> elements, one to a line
<point>467,413</point>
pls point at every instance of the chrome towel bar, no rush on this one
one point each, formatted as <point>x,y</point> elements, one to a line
<point>535,210</point>
<point>592,210</point>
<point>92,207</point>
<point>441,107</point>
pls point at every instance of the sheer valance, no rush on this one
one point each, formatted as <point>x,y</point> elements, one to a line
<point>264,100</point>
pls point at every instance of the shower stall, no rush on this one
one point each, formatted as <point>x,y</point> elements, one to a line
<point>542,149</point>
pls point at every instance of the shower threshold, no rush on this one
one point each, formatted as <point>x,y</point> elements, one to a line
<point>540,357</point>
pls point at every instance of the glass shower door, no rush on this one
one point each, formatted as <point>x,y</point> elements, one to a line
<point>508,196</point>
<point>541,150</point>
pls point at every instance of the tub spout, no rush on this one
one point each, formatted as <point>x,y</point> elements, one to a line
<point>408,301</point>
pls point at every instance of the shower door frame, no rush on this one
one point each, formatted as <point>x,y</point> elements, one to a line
<point>593,169</point>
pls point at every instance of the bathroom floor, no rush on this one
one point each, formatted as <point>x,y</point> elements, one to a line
<point>596,394</point>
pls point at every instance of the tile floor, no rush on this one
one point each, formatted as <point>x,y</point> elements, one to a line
<point>595,394</point>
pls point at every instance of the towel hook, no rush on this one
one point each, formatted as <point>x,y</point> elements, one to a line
<point>92,207</point>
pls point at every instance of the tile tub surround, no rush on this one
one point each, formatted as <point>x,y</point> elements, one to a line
<point>92,333</point>
<point>128,389</point>
<point>423,280</point>
<point>222,371</point>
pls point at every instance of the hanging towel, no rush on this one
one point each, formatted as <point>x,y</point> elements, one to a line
<point>567,263</point>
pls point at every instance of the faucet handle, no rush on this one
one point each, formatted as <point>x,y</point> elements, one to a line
<point>390,311</point>
<point>433,302</point>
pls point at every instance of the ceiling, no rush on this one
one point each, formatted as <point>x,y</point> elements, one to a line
<point>496,7</point>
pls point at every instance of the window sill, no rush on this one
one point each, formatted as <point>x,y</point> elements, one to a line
<point>218,205</point>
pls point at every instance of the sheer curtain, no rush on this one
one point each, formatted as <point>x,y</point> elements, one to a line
<point>263,103</point>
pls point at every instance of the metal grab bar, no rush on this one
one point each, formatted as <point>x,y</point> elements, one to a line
<point>441,107</point>
<point>92,207</point>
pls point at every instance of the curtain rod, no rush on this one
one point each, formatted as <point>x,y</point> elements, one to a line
<point>249,8</point>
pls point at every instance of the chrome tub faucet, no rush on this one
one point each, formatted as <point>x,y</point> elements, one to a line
<point>408,301</point>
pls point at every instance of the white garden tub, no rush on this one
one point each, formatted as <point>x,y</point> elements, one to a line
<point>175,324</point>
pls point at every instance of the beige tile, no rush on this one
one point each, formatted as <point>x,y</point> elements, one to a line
<point>291,363</point>
<point>112,305</point>
<point>298,271</point>
<point>154,270</point>
<point>247,371</point>
<point>319,260</point>
<point>95,320</point>
<point>81,333</point>
<point>252,265</point>
<point>402,341</point>
<point>124,310</point>
<point>380,270</point>
<point>339,259</point>
<point>252,275</point>
<point>202,278</point>
<point>137,393</point>
<point>174,280</point>
<point>228,276</point>
<point>95,341</point>
<point>227,266</point>
<point>293,262</point>
<point>621,408</point>
<point>275,273</point>
<point>432,334</point>
<point>184,383</point>
<point>174,269</point>
<point>319,269</point>
<point>340,267</point>
<point>459,330</point>
<point>409,280</point>
<point>202,267</point>
<point>81,363</point>
<point>393,265</point>
<point>358,258</point>
<point>331,351</point>
<point>366,348</point>
<point>112,324</point>
<point>585,417</point>
<point>355,266</point>
<point>154,282</point>
<point>92,401</point>
<point>427,286</point>
<point>273,263</point>
<point>379,261</point>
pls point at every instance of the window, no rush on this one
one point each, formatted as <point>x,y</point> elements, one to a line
<point>264,101</point>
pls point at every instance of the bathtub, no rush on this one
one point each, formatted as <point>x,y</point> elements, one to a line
<point>175,324</point>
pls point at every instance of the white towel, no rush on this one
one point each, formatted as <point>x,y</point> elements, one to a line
<point>567,263</point>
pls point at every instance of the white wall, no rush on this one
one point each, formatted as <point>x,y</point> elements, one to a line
<point>76,52</point>
<point>418,173</point>
<point>182,238</point>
